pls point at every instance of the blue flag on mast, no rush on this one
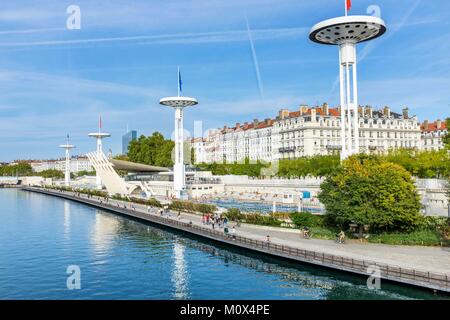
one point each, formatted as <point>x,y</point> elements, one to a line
<point>180,83</point>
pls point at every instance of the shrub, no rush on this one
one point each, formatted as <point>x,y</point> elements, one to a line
<point>259,219</point>
<point>190,206</point>
<point>306,219</point>
<point>423,237</point>
<point>323,233</point>
<point>234,214</point>
<point>437,224</point>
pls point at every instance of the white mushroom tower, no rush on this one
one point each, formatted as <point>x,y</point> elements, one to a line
<point>346,32</point>
<point>99,136</point>
<point>179,103</point>
<point>67,147</point>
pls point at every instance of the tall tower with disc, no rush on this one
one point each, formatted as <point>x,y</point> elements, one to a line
<point>67,146</point>
<point>346,32</point>
<point>179,103</point>
<point>99,136</point>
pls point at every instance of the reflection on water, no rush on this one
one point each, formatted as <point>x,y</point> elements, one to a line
<point>121,258</point>
<point>179,272</point>
<point>67,220</point>
<point>103,231</point>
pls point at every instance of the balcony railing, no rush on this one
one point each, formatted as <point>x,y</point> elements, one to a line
<point>287,149</point>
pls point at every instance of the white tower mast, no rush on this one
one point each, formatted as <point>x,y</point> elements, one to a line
<point>179,103</point>
<point>67,147</point>
<point>99,136</point>
<point>346,32</point>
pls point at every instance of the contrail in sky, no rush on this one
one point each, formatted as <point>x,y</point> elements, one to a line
<point>255,58</point>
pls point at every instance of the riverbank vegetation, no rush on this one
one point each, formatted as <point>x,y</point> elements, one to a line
<point>420,164</point>
<point>192,207</point>
<point>51,173</point>
<point>240,169</point>
<point>18,169</point>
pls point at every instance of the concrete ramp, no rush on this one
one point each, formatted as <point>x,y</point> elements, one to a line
<point>113,182</point>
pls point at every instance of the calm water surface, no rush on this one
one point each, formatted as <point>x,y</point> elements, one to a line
<point>40,236</point>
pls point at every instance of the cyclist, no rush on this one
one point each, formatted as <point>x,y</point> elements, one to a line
<point>306,233</point>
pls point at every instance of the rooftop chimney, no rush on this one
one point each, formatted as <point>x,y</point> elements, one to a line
<point>360,111</point>
<point>405,112</point>
<point>303,109</point>
<point>255,122</point>
<point>386,112</point>
<point>313,114</point>
<point>283,113</point>
<point>369,112</point>
<point>425,124</point>
<point>238,125</point>
<point>326,109</point>
<point>438,124</point>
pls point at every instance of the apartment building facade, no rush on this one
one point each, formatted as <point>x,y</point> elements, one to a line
<point>312,131</point>
<point>317,131</point>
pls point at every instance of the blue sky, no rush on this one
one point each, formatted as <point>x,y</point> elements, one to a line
<point>55,81</point>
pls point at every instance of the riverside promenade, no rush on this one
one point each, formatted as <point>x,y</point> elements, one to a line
<point>427,267</point>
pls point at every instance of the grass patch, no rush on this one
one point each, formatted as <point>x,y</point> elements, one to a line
<point>420,238</point>
<point>323,233</point>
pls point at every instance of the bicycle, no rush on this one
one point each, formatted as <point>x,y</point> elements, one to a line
<point>340,240</point>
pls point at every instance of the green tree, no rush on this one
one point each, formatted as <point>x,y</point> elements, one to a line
<point>317,166</point>
<point>367,190</point>
<point>121,157</point>
<point>51,173</point>
<point>85,173</point>
<point>193,156</point>
<point>152,150</point>
<point>20,169</point>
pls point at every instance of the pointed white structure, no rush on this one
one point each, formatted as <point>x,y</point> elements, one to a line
<point>346,32</point>
<point>67,147</point>
<point>99,136</point>
<point>179,103</point>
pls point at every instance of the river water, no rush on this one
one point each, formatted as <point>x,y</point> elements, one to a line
<point>118,258</point>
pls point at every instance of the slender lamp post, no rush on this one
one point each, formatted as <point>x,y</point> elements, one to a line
<point>346,32</point>
<point>179,103</point>
<point>67,147</point>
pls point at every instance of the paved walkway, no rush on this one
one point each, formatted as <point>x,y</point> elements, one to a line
<point>429,259</point>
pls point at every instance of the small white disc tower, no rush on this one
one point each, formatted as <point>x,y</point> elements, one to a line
<point>67,147</point>
<point>179,103</point>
